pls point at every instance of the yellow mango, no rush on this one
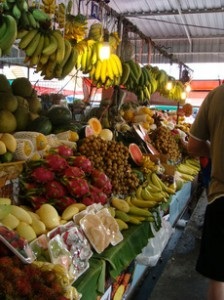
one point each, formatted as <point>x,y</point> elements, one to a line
<point>10,221</point>
<point>69,212</point>
<point>38,226</point>
<point>26,231</point>
<point>49,215</point>
<point>21,214</point>
<point>10,142</point>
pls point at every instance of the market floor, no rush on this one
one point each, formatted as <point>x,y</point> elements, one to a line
<point>174,277</point>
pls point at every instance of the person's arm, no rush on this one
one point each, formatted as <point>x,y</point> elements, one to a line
<point>198,147</point>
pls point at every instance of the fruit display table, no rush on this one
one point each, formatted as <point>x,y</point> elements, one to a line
<point>113,261</point>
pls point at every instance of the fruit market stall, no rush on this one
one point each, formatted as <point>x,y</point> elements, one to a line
<point>81,199</point>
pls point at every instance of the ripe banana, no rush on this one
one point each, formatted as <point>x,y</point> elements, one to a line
<point>143,203</point>
<point>51,45</point>
<point>30,49</point>
<point>37,53</point>
<point>121,224</point>
<point>122,215</point>
<point>120,204</point>
<point>145,194</point>
<point>70,63</point>
<point>27,38</point>
<point>137,211</point>
<point>60,52</point>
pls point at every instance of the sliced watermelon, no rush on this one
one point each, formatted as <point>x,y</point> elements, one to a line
<point>136,153</point>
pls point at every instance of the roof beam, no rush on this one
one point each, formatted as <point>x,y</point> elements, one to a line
<point>173,12</point>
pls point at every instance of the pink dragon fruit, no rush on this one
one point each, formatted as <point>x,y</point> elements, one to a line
<point>55,162</point>
<point>64,150</point>
<point>97,195</point>
<point>83,163</point>
<point>73,172</point>
<point>78,187</point>
<point>87,201</point>
<point>101,180</point>
<point>42,175</point>
<point>54,189</point>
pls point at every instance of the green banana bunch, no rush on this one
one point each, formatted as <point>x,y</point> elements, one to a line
<point>96,32</point>
<point>8,33</point>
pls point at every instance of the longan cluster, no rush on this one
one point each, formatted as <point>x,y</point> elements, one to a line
<point>112,158</point>
<point>165,142</point>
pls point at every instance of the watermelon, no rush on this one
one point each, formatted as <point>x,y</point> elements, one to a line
<point>41,124</point>
<point>59,115</point>
<point>135,153</point>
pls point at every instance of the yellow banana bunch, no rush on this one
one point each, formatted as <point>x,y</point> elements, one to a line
<point>60,15</point>
<point>49,6</point>
<point>75,27</point>
<point>107,72</point>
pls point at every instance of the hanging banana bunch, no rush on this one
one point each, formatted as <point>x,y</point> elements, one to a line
<point>75,26</point>
<point>49,6</point>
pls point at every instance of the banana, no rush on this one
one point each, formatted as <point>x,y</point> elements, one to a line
<point>146,194</point>
<point>26,39</point>
<point>21,33</point>
<point>37,53</point>
<point>33,23</point>
<point>70,63</point>
<point>143,203</point>
<point>121,224</point>
<point>138,192</point>
<point>32,46</point>
<point>114,65</point>
<point>9,36</point>
<point>122,215</point>
<point>98,70</point>
<point>51,45</point>
<point>103,71</point>
<point>60,52</point>
<point>137,211</point>
<point>135,220</point>
<point>16,12</point>
<point>84,60</point>
<point>39,15</point>
<point>120,204</point>
<point>59,67</point>
<point>3,28</point>
<point>94,54</point>
<point>125,73</point>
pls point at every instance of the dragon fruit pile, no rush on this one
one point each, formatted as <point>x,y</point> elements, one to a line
<point>62,179</point>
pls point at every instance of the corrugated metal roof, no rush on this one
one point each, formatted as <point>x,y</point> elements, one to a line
<point>191,30</point>
<point>187,31</point>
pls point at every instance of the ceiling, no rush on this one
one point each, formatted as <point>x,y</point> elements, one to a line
<point>161,31</point>
<point>189,31</point>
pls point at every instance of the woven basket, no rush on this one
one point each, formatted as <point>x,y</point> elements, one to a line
<point>9,171</point>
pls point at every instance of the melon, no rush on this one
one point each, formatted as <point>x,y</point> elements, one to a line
<point>22,116</point>
<point>106,134</point>
<point>4,84</point>
<point>35,105</point>
<point>8,101</point>
<point>41,124</point>
<point>59,114</point>
<point>21,86</point>
<point>7,121</point>
<point>135,153</point>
